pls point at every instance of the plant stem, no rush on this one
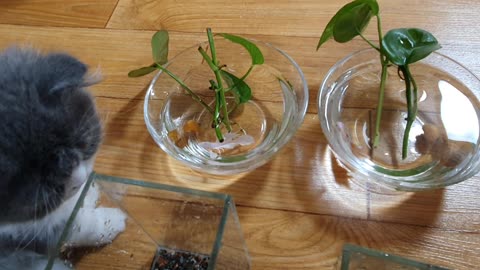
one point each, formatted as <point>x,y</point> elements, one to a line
<point>369,42</point>
<point>241,79</point>
<point>216,114</point>
<point>381,97</point>
<point>415,92</point>
<point>411,106</point>
<point>383,82</point>
<point>379,30</point>
<point>207,59</point>
<point>221,90</point>
<point>248,73</point>
<point>184,86</point>
<point>216,119</point>
<point>213,85</point>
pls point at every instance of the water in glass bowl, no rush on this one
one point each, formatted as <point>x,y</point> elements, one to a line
<point>442,143</point>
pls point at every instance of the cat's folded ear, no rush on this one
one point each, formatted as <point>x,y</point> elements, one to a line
<point>66,72</point>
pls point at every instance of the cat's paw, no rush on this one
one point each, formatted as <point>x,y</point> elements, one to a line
<point>96,227</point>
<point>113,223</point>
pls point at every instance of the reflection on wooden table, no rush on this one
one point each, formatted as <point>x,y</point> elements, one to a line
<point>298,210</point>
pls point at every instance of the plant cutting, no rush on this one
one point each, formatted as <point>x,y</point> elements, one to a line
<point>225,83</point>
<point>401,47</point>
<point>225,105</point>
<point>399,113</point>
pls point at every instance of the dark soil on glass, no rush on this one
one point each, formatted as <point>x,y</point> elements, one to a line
<point>168,259</point>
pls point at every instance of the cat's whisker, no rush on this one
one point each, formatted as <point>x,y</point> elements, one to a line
<point>33,232</point>
<point>89,127</point>
<point>52,203</point>
<point>36,204</point>
<point>34,227</point>
<point>89,112</point>
<point>85,128</point>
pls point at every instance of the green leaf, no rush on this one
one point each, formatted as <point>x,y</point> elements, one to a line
<point>327,33</point>
<point>349,21</point>
<point>142,71</point>
<point>253,50</point>
<point>405,46</point>
<point>350,25</point>
<point>239,88</point>
<point>160,47</point>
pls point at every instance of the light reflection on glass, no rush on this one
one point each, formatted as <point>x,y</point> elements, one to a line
<point>423,97</point>
<point>458,114</point>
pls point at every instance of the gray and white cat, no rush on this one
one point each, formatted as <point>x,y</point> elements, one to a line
<point>49,134</point>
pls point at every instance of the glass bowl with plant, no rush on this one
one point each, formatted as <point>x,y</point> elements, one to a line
<point>224,106</point>
<point>399,113</point>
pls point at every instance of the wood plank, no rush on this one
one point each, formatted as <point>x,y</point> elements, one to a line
<point>116,52</point>
<point>456,20</point>
<point>440,227</point>
<point>455,207</point>
<point>288,240</point>
<point>77,13</point>
<point>301,178</point>
<point>285,240</point>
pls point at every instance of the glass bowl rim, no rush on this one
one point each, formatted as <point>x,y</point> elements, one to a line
<point>384,179</point>
<point>248,164</point>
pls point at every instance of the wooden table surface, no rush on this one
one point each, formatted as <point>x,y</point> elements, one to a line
<point>299,209</point>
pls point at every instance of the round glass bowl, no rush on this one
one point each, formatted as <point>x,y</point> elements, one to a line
<point>444,139</point>
<point>182,127</point>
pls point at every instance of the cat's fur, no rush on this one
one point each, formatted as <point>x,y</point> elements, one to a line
<point>49,134</point>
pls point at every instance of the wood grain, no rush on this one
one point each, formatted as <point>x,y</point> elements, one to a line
<point>304,176</point>
<point>78,13</point>
<point>291,17</point>
<point>454,207</point>
<point>114,53</point>
<point>298,179</point>
<point>286,240</point>
<point>300,208</point>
